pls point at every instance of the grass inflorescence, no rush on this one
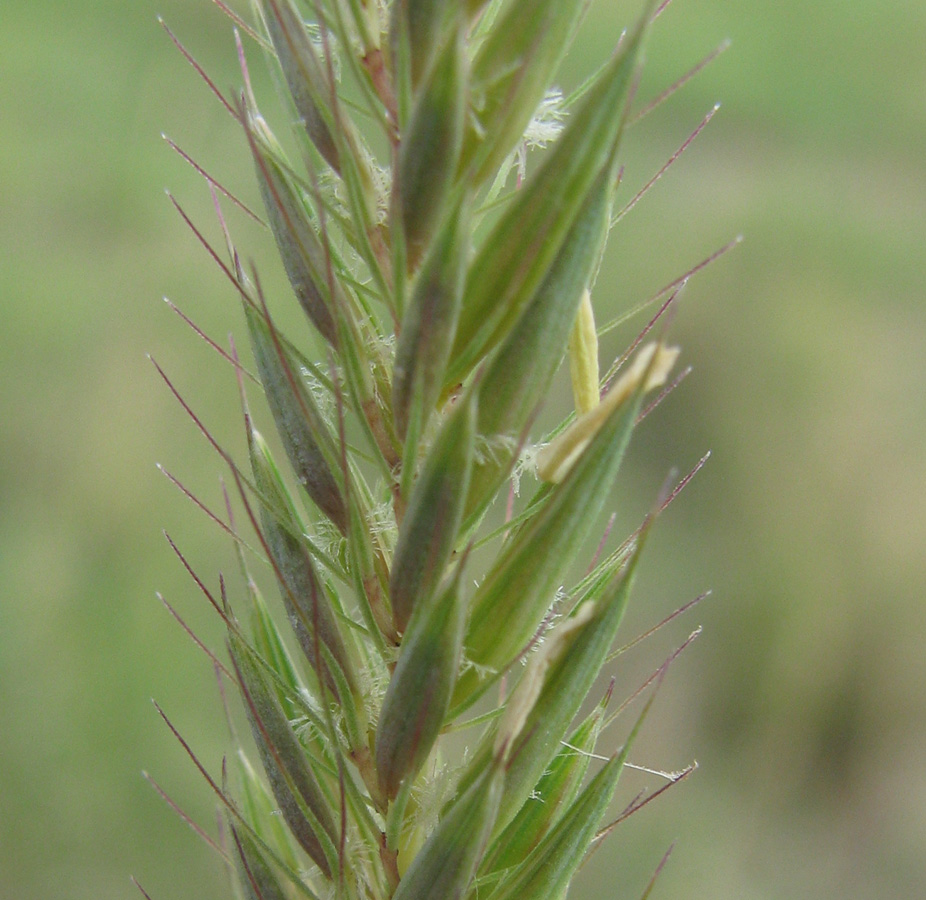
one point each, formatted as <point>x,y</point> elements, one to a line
<point>446,274</point>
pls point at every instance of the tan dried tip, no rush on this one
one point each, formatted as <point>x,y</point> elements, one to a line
<point>525,695</point>
<point>653,363</point>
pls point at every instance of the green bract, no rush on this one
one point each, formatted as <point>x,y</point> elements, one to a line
<point>418,697</point>
<point>288,770</point>
<point>431,146</point>
<point>518,254</point>
<point>445,273</point>
<point>431,522</point>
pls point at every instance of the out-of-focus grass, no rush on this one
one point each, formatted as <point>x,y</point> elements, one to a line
<point>803,698</point>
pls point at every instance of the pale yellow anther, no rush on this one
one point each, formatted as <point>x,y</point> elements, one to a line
<point>583,357</point>
<point>653,363</point>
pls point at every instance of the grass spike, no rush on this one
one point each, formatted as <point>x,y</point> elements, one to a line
<point>445,242</point>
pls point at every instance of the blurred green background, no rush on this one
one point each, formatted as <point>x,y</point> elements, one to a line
<point>803,700</point>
